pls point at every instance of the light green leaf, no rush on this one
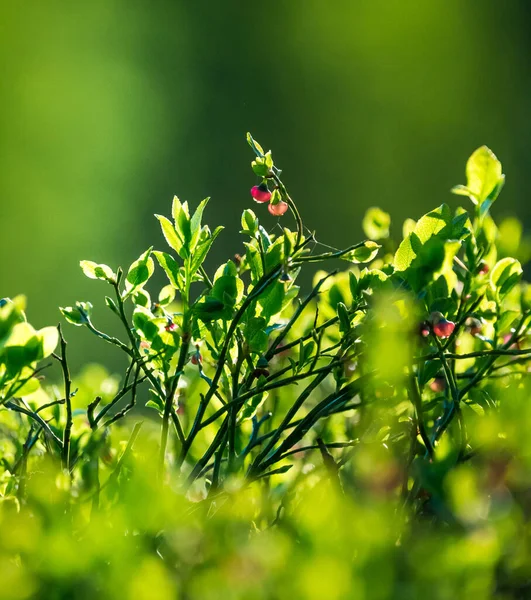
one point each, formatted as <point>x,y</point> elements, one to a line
<point>249,222</point>
<point>376,223</point>
<point>202,248</point>
<point>77,315</point>
<point>49,339</point>
<point>505,274</point>
<point>166,295</point>
<point>484,177</point>
<point>258,150</point>
<point>432,223</point>
<point>407,252</point>
<point>195,223</point>
<point>171,236</point>
<point>170,266</point>
<point>97,271</point>
<point>364,253</point>
<point>139,273</point>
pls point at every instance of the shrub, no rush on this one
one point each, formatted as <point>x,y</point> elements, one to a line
<point>364,439</point>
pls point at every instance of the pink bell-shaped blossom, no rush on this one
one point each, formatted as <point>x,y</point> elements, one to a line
<point>278,209</point>
<point>261,193</point>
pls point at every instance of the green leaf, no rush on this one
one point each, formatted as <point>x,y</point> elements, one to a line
<point>139,273</point>
<point>142,298</point>
<point>376,223</point>
<point>170,267</point>
<point>49,337</point>
<point>272,299</point>
<point>260,167</point>
<point>171,236</point>
<point>112,305</point>
<point>203,247</point>
<point>228,289</point>
<point>461,190</point>
<point>249,222</point>
<point>258,150</point>
<point>78,314</point>
<point>363,254</point>
<point>210,309</point>
<point>195,223</point>
<point>505,274</point>
<point>23,348</point>
<point>146,324</point>
<point>30,387</point>
<point>98,271</point>
<point>429,370</point>
<point>407,252</point>
<point>183,226</point>
<point>432,223</point>
<point>197,217</point>
<point>255,334</point>
<point>166,295</point>
<point>344,319</point>
<point>155,402</point>
<point>251,407</point>
<point>370,280</point>
<point>353,284</point>
<point>484,176</point>
<point>437,222</point>
<point>254,261</point>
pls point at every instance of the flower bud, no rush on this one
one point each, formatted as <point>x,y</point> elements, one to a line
<point>483,268</point>
<point>262,363</point>
<point>170,325</point>
<point>285,277</point>
<point>259,373</point>
<point>261,193</point>
<point>424,329</point>
<point>474,326</point>
<point>438,384</point>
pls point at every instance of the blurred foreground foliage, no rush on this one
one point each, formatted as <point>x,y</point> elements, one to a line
<point>367,440</point>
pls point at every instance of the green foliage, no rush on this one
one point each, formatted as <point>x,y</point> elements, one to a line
<point>365,438</point>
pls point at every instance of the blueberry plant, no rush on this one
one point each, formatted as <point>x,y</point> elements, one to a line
<point>392,391</point>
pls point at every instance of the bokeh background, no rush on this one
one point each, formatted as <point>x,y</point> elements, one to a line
<point>108,108</point>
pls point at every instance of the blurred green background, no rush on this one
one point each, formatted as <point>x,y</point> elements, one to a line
<point>108,108</point>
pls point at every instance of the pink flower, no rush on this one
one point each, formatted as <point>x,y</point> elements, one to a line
<point>441,327</point>
<point>483,268</point>
<point>474,326</point>
<point>170,325</point>
<point>438,384</point>
<point>261,193</point>
<point>444,328</point>
<point>277,210</point>
<point>424,329</point>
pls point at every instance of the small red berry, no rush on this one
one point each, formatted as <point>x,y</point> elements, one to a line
<point>196,359</point>
<point>261,193</point>
<point>483,268</point>
<point>277,210</point>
